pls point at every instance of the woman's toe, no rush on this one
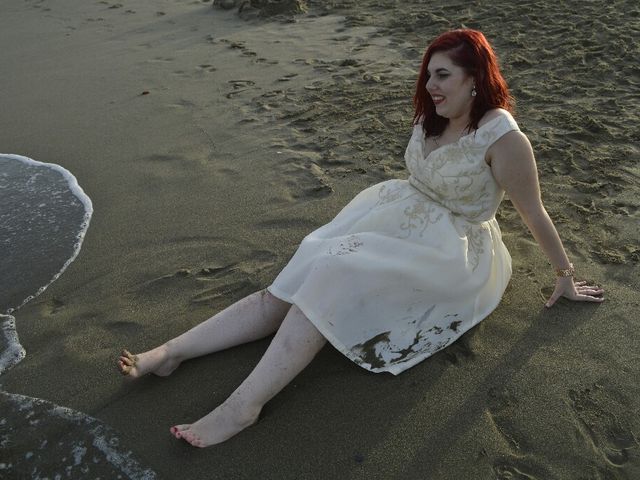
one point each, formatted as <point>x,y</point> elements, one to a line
<point>126,361</point>
<point>178,430</point>
<point>124,369</point>
<point>128,354</point>
<point>192,439</point>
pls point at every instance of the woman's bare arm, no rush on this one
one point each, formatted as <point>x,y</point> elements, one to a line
<point>514,168</point>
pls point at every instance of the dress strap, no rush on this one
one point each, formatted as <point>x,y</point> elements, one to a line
<point>494,129</point>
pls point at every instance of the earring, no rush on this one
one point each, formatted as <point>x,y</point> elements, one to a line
<point>473,91</point>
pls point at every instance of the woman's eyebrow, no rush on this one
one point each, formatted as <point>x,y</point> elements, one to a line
<point>439,70</point>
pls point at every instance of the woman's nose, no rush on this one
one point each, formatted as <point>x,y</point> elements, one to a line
<point>429,84</point>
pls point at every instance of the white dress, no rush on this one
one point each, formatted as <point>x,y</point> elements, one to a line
<point>407,266</point>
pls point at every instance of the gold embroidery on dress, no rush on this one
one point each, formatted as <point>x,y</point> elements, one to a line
<point>387,195</point>
<point>455,175</point>
<point>421,214</point>
<point>475,244</point>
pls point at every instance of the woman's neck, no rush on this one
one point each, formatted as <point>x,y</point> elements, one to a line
<point>460,123</point>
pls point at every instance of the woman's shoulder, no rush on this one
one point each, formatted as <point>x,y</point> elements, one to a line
<point>507,140</point>
<point>502,134</point>
<point>494,113</point>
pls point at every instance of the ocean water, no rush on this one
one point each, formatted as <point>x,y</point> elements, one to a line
<point>87,449</point>
<point>44,215</point>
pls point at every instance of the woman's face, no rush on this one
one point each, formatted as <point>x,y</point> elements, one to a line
<point>449,86</point>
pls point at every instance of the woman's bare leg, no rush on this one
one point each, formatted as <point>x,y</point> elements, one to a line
<point>293,347</point>
<point>254,317</point>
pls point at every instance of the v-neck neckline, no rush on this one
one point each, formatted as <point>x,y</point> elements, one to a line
<point>463,136</point>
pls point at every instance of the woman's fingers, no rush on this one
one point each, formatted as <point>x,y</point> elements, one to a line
<point>588,293</point>
<point>588,287</point>
<point>589,298</point>
<point>592,293</point>
<point>592,290</point>
<point>552,299</point>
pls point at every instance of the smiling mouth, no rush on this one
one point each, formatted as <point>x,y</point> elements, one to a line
<point>437,99</point>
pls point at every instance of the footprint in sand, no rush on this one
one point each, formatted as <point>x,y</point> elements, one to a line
<point>231,172</point>
<point>232,281</point>
<point>209,285</point>
<point>208,67</point>
<point>603,431</point>
<point>235,290</point>
<point>287,77</point>
<point>158,285</point>
<point>302,176</point>
<point>502,405</point>
<point>461,351</point>
<point>240,86</point>
<point>508,470</point>
<point>242,83</point>
<point>54,305</point>
<point>626,209</point>
<point>161,59</point>
<point>240,45</point>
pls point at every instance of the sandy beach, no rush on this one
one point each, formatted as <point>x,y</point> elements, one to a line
<point>211,142</point>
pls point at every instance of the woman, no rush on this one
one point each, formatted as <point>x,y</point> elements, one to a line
<point>408,265</point>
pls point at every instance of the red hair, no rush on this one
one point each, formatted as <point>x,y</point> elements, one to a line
<point>470,50</point>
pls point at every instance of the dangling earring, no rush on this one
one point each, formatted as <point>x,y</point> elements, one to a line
<point>473,91</point>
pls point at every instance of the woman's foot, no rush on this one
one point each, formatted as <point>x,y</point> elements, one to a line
<point>221,424</point>
<point>157,361</point>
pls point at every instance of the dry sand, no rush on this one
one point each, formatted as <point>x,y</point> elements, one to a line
<point>252,133</point>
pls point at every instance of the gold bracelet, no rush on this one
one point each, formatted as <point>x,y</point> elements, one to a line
<point>565,272</point>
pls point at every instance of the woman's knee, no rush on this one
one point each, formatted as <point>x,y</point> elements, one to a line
<point>271,299</point>
<point>300,324</point>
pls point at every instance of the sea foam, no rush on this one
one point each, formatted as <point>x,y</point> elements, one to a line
<point>44,215</point>
<point>42,440</point>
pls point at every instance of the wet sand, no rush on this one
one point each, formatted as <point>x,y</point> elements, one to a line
<point>210,144</point>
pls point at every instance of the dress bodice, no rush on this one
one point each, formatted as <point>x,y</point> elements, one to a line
<point>456,175</point>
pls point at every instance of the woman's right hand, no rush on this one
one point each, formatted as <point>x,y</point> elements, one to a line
<point>576,291</point>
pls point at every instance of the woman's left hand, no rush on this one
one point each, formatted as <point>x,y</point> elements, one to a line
<point>577,291</point>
